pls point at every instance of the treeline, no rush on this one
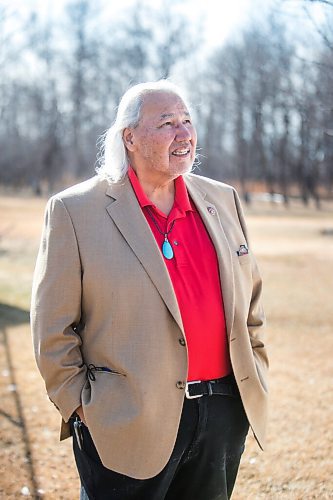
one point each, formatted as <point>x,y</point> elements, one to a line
<point>263,102</point>
<point>269,113</point>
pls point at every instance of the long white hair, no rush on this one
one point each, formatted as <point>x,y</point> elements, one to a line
<point>113,160</point>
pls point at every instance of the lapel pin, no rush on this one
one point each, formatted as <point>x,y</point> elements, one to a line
<point>211,210</point>
<point>243,250</point>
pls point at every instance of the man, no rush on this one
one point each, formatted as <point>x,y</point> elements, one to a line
<point>146,314</point>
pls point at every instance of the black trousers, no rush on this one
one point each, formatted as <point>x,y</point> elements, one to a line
<point>203,464</point>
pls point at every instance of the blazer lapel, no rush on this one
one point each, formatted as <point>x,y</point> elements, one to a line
<point>214,226</point>
<point>128,217</point>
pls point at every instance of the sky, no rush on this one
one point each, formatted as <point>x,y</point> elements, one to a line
<point>220,18</point>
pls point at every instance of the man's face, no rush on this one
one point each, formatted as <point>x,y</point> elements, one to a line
<point>165,140</point>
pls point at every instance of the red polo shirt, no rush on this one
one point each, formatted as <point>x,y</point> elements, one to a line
<point>195,277</point>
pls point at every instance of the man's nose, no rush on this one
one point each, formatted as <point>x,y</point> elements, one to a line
<point>183,133</point>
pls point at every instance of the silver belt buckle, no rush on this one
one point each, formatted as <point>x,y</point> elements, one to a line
<point>187,394</point>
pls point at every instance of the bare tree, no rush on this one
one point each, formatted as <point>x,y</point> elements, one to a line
<point>79,16</point>
<point>325,2</point>
<point>174,40</point>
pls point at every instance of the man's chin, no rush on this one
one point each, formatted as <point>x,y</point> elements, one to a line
<point>181,169</point>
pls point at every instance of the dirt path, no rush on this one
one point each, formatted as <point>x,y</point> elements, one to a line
<point>297,263</point>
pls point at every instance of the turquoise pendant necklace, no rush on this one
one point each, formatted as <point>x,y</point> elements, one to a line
<point>167,250</point>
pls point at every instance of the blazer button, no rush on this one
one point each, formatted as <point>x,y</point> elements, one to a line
<point>180,384</point>
<point>182,341</point>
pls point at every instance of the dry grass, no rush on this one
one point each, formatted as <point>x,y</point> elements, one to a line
<point>297,265</point>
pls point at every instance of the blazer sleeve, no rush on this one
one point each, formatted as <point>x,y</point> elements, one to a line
<point>56,310</point>
<point>256,320</point>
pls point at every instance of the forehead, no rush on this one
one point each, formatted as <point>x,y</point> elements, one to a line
<point>161,104</point>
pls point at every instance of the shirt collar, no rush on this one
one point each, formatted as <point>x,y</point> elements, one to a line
<point>182,201</point>
<point>143,199</point>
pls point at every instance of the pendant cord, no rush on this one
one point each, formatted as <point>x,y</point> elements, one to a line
<point>157,226</point>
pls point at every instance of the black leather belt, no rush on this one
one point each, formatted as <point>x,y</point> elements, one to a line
<point>222,386</point>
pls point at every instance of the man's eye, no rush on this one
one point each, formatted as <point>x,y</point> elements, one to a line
<point>167,123</point>
<point>187,121</point>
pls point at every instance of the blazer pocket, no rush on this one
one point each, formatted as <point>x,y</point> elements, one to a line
<point>92,370</point>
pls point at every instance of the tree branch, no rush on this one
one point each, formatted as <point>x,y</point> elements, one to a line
<point>326,2</point>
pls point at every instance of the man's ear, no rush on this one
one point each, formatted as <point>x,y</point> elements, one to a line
<point>128,139</point>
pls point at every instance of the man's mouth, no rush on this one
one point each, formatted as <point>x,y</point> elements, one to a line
<point>181,152</point>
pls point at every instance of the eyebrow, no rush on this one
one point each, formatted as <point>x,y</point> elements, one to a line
<point>171,115</point>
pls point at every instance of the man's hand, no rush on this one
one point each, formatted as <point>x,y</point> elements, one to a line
<point>79,411</point>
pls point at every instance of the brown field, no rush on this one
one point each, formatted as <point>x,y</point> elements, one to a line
<point>296,261</point>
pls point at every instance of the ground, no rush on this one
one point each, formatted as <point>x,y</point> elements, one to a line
<point>295,253</point>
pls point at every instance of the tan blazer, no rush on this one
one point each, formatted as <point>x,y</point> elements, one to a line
<point>102,295</point>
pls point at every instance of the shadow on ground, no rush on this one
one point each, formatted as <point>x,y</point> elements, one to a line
<point>12,316</point>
